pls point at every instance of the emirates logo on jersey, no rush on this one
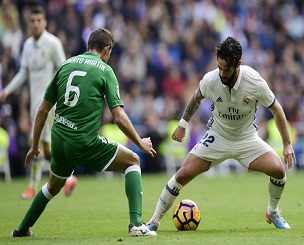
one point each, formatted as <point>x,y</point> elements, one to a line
<point>245,100</point>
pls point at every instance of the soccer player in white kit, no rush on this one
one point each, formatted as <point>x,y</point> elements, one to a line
<point>235,90</point>
<point>42,55</point>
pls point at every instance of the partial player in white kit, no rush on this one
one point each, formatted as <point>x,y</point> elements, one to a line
<point>235,91</point>
<point>42,55</point>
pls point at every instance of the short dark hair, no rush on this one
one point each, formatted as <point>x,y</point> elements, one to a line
<point>37,9</point>
<point>99,39</point>
<point>229,50</point>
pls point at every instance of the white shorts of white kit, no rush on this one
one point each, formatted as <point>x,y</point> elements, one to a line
<point>213,147</point>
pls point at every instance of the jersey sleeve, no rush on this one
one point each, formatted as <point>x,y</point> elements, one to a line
<point>20,77</point>
<point>58,53</point>
<point>203,86</point>
<point>265,95</point>
<point>112,90</point>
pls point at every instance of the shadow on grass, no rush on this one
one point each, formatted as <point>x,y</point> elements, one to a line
<point>232,231</point>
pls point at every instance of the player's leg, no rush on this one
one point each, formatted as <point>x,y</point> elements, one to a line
<point>128,162</point>
<point>38,162</point>
<point>257,155</point>
<point>71,182</point>
<point>46,193</point>
<point>46,139</point>
<point>35,177</point>
<point>61,169</point>
<point>211,150</point>
<point>271,164</point>
<point>192,166</point>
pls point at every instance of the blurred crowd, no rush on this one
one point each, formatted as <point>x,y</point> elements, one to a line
<point>162,49</point>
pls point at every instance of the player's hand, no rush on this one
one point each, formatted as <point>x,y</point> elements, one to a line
<point>179,134</point>
<point>3,96</point>
<point>289,156</point>
<point>147,146</point>
<point>31,153</point>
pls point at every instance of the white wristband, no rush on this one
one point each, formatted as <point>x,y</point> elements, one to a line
<point>183,123</point>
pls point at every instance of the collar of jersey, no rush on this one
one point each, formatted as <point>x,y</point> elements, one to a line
<point>90,53</point>
<point>40,40</point>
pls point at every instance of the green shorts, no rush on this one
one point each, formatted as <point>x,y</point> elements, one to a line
<point>65,156</point>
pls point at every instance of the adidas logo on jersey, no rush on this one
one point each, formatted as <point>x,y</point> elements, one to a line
<point>219,99</point>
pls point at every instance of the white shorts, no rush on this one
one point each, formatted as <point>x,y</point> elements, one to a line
<point>213,147</point>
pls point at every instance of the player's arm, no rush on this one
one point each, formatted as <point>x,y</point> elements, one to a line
<point>281,123</point>
<point>17,81</point>
<point>58,54</point>
<point>40,119</point>
<point>19,78</point>
<point>123,122</point>
<point>191,108</point>
<point>193,105</point>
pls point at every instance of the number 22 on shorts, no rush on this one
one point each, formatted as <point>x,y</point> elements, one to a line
<point>207,139</point>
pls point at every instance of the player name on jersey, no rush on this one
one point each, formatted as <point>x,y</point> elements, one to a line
<point>91,62</point>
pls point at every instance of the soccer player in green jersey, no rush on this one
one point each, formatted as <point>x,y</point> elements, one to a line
<point>235,91</point>
<point>79,89</point>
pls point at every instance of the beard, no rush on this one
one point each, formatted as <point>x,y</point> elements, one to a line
<point>230,80</point>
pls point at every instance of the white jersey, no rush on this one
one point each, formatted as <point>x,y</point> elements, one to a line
<point>39,61</point>
<point>233,112</point>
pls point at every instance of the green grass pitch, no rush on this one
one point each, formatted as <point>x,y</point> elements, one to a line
<point>232,210</point>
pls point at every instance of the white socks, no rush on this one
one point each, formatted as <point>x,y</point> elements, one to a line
<point>36,173</point>
<point>166,199</point>
<point>275,189</point>
<point>46,192</point>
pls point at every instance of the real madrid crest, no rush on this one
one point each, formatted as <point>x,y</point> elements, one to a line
<point>245,100</point>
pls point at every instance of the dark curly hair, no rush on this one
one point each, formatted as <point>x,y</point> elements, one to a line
<point>229,50</point>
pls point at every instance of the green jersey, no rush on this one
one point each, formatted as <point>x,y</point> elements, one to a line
<point>80,88</point>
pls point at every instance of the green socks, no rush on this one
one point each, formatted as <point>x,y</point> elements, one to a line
<point>37,207</point>
<point>133,188</point>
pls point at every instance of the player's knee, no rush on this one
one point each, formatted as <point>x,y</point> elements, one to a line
<point>279,172</point>
<point>132,163</point>
<point>135,159</point>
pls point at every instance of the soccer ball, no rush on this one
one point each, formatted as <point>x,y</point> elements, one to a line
<point>186,215</point>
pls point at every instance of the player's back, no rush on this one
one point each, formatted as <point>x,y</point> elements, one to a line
<point>79,88</point>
